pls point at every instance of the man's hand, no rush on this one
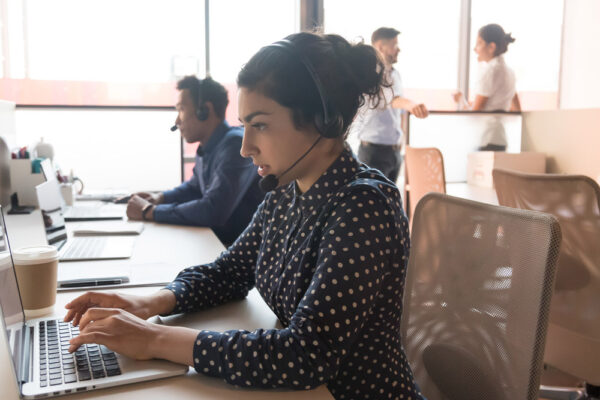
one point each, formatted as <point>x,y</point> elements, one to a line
<point>154,198</point>
<point>458,97</point>
<point>419,111</point>
<point>135,205</point>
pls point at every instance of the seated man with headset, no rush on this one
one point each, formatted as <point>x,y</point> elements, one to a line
<point>223,193</point>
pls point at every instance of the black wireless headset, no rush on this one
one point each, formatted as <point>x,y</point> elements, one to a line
<point>329,123</point>
<point>201,111</point>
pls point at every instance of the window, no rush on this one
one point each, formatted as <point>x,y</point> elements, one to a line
<point>239,28</point>
<point>235,36</point>
<point>120,150</point>
<point>103,52</point>
<point>428,61</point>
<point>535,55</point>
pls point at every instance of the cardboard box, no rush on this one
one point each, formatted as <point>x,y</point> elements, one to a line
<point>481,164</point>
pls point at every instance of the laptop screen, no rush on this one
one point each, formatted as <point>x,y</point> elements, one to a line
<point>10,300</point>
<point>50,202</point>
<point>48,170</point>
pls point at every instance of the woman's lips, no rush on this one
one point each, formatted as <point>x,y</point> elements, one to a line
<point>263,170</point>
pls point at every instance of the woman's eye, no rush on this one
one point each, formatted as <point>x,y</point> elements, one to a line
<point>259,126</point>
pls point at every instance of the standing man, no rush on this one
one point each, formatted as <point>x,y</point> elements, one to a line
<point>379,128</point>
<point>223,193</point>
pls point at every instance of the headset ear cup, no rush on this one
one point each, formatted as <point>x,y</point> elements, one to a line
<point>202,112</point>
<point>332,129</point>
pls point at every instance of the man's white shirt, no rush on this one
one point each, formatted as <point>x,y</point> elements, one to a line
<point>381,125</point>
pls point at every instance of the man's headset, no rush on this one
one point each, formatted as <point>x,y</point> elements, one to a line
<point>328,122</point>
<point>202,111</point>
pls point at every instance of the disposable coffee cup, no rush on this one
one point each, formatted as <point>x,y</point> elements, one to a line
<point>36,268</point>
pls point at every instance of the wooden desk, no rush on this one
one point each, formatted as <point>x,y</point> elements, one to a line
<point>159,247</point>
<point>171,247</point>
<point>472,192</point>
<point>250,314</point>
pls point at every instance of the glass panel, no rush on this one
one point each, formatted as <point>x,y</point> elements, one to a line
<point>114,40</point>
<point>2,37</point>
<point>16,41</point>
<point>535,54</point>
<point>239,28</point>
<point>458,134</point>
<point>110,150</point>
<point>428,61</point>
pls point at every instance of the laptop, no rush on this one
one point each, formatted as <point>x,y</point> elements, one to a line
<point>42,365</point>
<point>80,212</point>
<point>80,247</point>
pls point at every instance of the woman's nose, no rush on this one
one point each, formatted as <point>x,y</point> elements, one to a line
<point>247,149</point>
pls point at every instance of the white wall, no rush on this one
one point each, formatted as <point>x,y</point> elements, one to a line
<point>569,138</point>
<point>580,76</point>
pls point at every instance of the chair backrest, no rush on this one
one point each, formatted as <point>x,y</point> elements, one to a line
<point>477,297</point>
<point>573,343</point>
<point>424,172</point>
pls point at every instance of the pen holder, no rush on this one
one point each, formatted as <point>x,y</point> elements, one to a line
<point>23,181</point>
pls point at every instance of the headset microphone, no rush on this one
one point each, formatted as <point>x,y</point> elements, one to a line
<point>271,181</point>
<point>173,128</point>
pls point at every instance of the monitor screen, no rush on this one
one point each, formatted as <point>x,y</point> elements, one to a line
<point>48,170</point>
<point>50,202</point>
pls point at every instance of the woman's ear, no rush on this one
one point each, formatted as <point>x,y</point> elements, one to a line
<point>492,47</point>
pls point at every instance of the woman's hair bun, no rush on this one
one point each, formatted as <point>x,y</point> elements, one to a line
<point>366,67</point>
<point>493,33</point>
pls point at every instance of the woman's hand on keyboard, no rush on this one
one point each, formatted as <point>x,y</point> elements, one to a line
<point>134,337</point>
<point>143,307</point>
<point>118,330</point>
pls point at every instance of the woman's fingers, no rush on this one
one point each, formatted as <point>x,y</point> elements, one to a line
<point>118,330</point>
<point>95,314</point>
<point>97,337</point>
<point>85,300</point>
<point>70,315</point>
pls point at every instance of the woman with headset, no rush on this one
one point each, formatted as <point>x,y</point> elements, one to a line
<point>327,249</point>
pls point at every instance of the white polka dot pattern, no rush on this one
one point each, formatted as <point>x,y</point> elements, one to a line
<point>331,264</point>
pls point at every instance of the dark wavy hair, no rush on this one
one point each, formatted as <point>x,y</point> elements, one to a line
<point>349,73</point>
<point>493,33</point>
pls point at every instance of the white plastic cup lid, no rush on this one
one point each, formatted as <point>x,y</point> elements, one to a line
<point>35,255</point>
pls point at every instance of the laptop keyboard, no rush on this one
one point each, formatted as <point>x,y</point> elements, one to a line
<point>58,366</point>
<point>89,247</point>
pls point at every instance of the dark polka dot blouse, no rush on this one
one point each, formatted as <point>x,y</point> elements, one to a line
<point>331,264</point>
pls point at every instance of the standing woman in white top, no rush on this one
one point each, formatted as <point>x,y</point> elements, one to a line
<point>495,89</point>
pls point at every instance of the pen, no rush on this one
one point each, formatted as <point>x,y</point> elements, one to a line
<point>75,283</point>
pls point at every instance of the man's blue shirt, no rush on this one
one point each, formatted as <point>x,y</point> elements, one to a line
<point>223,193</point>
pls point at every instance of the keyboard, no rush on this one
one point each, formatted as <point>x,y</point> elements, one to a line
<point>58,366</point>
<point>99,197</point>
<point>85,247</point>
